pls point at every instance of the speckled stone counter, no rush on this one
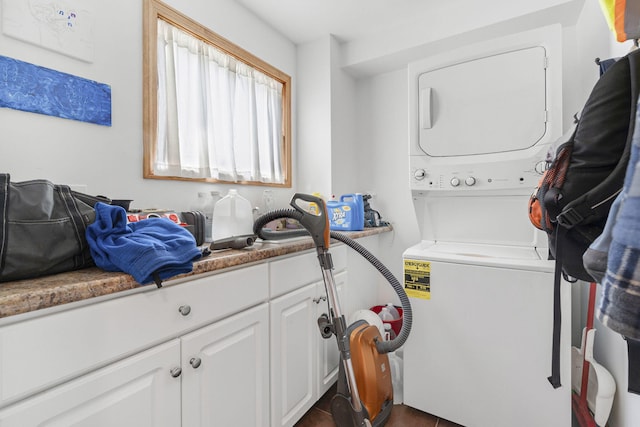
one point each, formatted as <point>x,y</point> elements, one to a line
<point>24,296</point>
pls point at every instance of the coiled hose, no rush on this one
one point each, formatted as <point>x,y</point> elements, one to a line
<point>382,346</point>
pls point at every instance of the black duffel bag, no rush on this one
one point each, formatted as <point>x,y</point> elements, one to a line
<point>42,228</point>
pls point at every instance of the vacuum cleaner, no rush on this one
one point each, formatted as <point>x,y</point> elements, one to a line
<point>364,396</point>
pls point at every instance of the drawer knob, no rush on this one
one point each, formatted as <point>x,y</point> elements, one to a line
<point>175,372</point>
<point>195,362</point>
<point>184,309</point>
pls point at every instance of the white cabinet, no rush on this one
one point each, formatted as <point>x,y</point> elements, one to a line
<point>303,364</point>
<point>137,391</point>
<point>238,348</point>
<point>294,335</point>
<point>328,354</point>
<point>40,352</point>
<point>225,377</point>
<point>215,376</point>
<point>69,356</point>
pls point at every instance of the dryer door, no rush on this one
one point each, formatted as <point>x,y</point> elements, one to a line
<point>487,105</point>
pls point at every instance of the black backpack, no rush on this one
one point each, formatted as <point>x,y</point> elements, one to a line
<point>575,194</point>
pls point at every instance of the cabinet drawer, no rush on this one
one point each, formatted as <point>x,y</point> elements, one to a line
<point>296,271</point>
<point>41,352</point>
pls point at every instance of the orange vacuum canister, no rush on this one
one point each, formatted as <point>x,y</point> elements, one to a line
<point>371,369</point>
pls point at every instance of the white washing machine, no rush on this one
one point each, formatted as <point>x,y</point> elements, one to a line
<point>482,119</point>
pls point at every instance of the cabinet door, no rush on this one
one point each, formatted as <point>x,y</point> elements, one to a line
<point>225,372</point>
<point>137,391</point>
<point>294,337</point>
<point>328,354</point>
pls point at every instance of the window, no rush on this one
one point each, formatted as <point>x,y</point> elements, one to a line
<point>212,111</point>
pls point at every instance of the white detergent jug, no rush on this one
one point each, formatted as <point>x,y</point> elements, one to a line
<point>232,217</point>
<point>395,314</point>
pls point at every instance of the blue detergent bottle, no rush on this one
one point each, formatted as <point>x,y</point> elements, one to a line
<point>357,203</point>
<point>346,214</point>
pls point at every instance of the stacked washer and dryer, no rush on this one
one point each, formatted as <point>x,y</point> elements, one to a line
<point>482,119</point>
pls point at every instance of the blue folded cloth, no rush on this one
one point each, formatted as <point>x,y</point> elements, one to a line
<point>154,246</point>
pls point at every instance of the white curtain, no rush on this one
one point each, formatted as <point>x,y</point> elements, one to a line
<point>217,117</point>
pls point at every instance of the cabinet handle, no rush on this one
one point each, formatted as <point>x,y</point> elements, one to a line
<point>317,300</point>
<point>175,372</point>
<point>184,309</point>
<point>195,362</point>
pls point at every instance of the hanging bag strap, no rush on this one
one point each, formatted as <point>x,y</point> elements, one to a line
<point>4,220</point>
<point>554,379</point>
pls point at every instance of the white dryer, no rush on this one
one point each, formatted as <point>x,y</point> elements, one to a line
<point>482,120</point>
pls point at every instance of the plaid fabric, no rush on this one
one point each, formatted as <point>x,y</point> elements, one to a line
<point>620,304</point>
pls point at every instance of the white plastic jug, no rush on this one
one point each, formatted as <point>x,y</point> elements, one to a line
<point>396,364</point>
<point>385,314</point>
<point>232,217</point>
<point>395,314</point>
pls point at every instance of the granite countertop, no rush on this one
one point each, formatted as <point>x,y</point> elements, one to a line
<point>23,296</point>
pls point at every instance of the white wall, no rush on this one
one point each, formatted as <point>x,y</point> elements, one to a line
<point>595,41</point>
<point>610,348</point>
<point>314,117</point>
<point>108,160</point>
<point>329,157</point>
<point>452,24</point>
<point>350,113</point>
<point>348,159</point>
<point>382,117</point>
<point>383,136</point>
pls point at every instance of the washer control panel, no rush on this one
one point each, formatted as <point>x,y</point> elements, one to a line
<point>426,175</point>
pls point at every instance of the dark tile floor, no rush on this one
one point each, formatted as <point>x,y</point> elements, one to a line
<point>401,416</point>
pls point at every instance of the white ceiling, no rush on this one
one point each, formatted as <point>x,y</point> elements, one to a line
<point>307,20</point>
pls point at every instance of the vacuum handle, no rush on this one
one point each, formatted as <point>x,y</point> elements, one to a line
<point>316,224</point>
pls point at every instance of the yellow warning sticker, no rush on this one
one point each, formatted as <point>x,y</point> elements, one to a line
<point>417,278</point>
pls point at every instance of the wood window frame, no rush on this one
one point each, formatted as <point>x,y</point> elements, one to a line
<point>155,10</point>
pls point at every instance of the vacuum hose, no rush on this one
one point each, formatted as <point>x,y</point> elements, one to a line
<point>382,346</point>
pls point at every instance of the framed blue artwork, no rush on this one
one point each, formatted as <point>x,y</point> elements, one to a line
<point>29,87</point>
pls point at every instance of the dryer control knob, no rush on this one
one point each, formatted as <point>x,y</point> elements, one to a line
<point>455,182</point>
<point>541,167</point>
<point>470,181</point>
<point>419,174</point>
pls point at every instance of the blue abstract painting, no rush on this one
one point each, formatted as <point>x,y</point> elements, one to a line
<point>28,87</point>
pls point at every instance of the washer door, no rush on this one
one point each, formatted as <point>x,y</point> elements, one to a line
<point>487,105</point>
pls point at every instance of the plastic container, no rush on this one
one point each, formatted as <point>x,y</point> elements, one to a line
<point>346,214</point>
<point>232,217</point>
<point>389,333</point>
<point>358,205</point>
<point>386,315</point>
<point>396,364</point>
<point>205,204</point>
<point>313,207</point>
<point>395,314</point>
<point>396,324</point>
